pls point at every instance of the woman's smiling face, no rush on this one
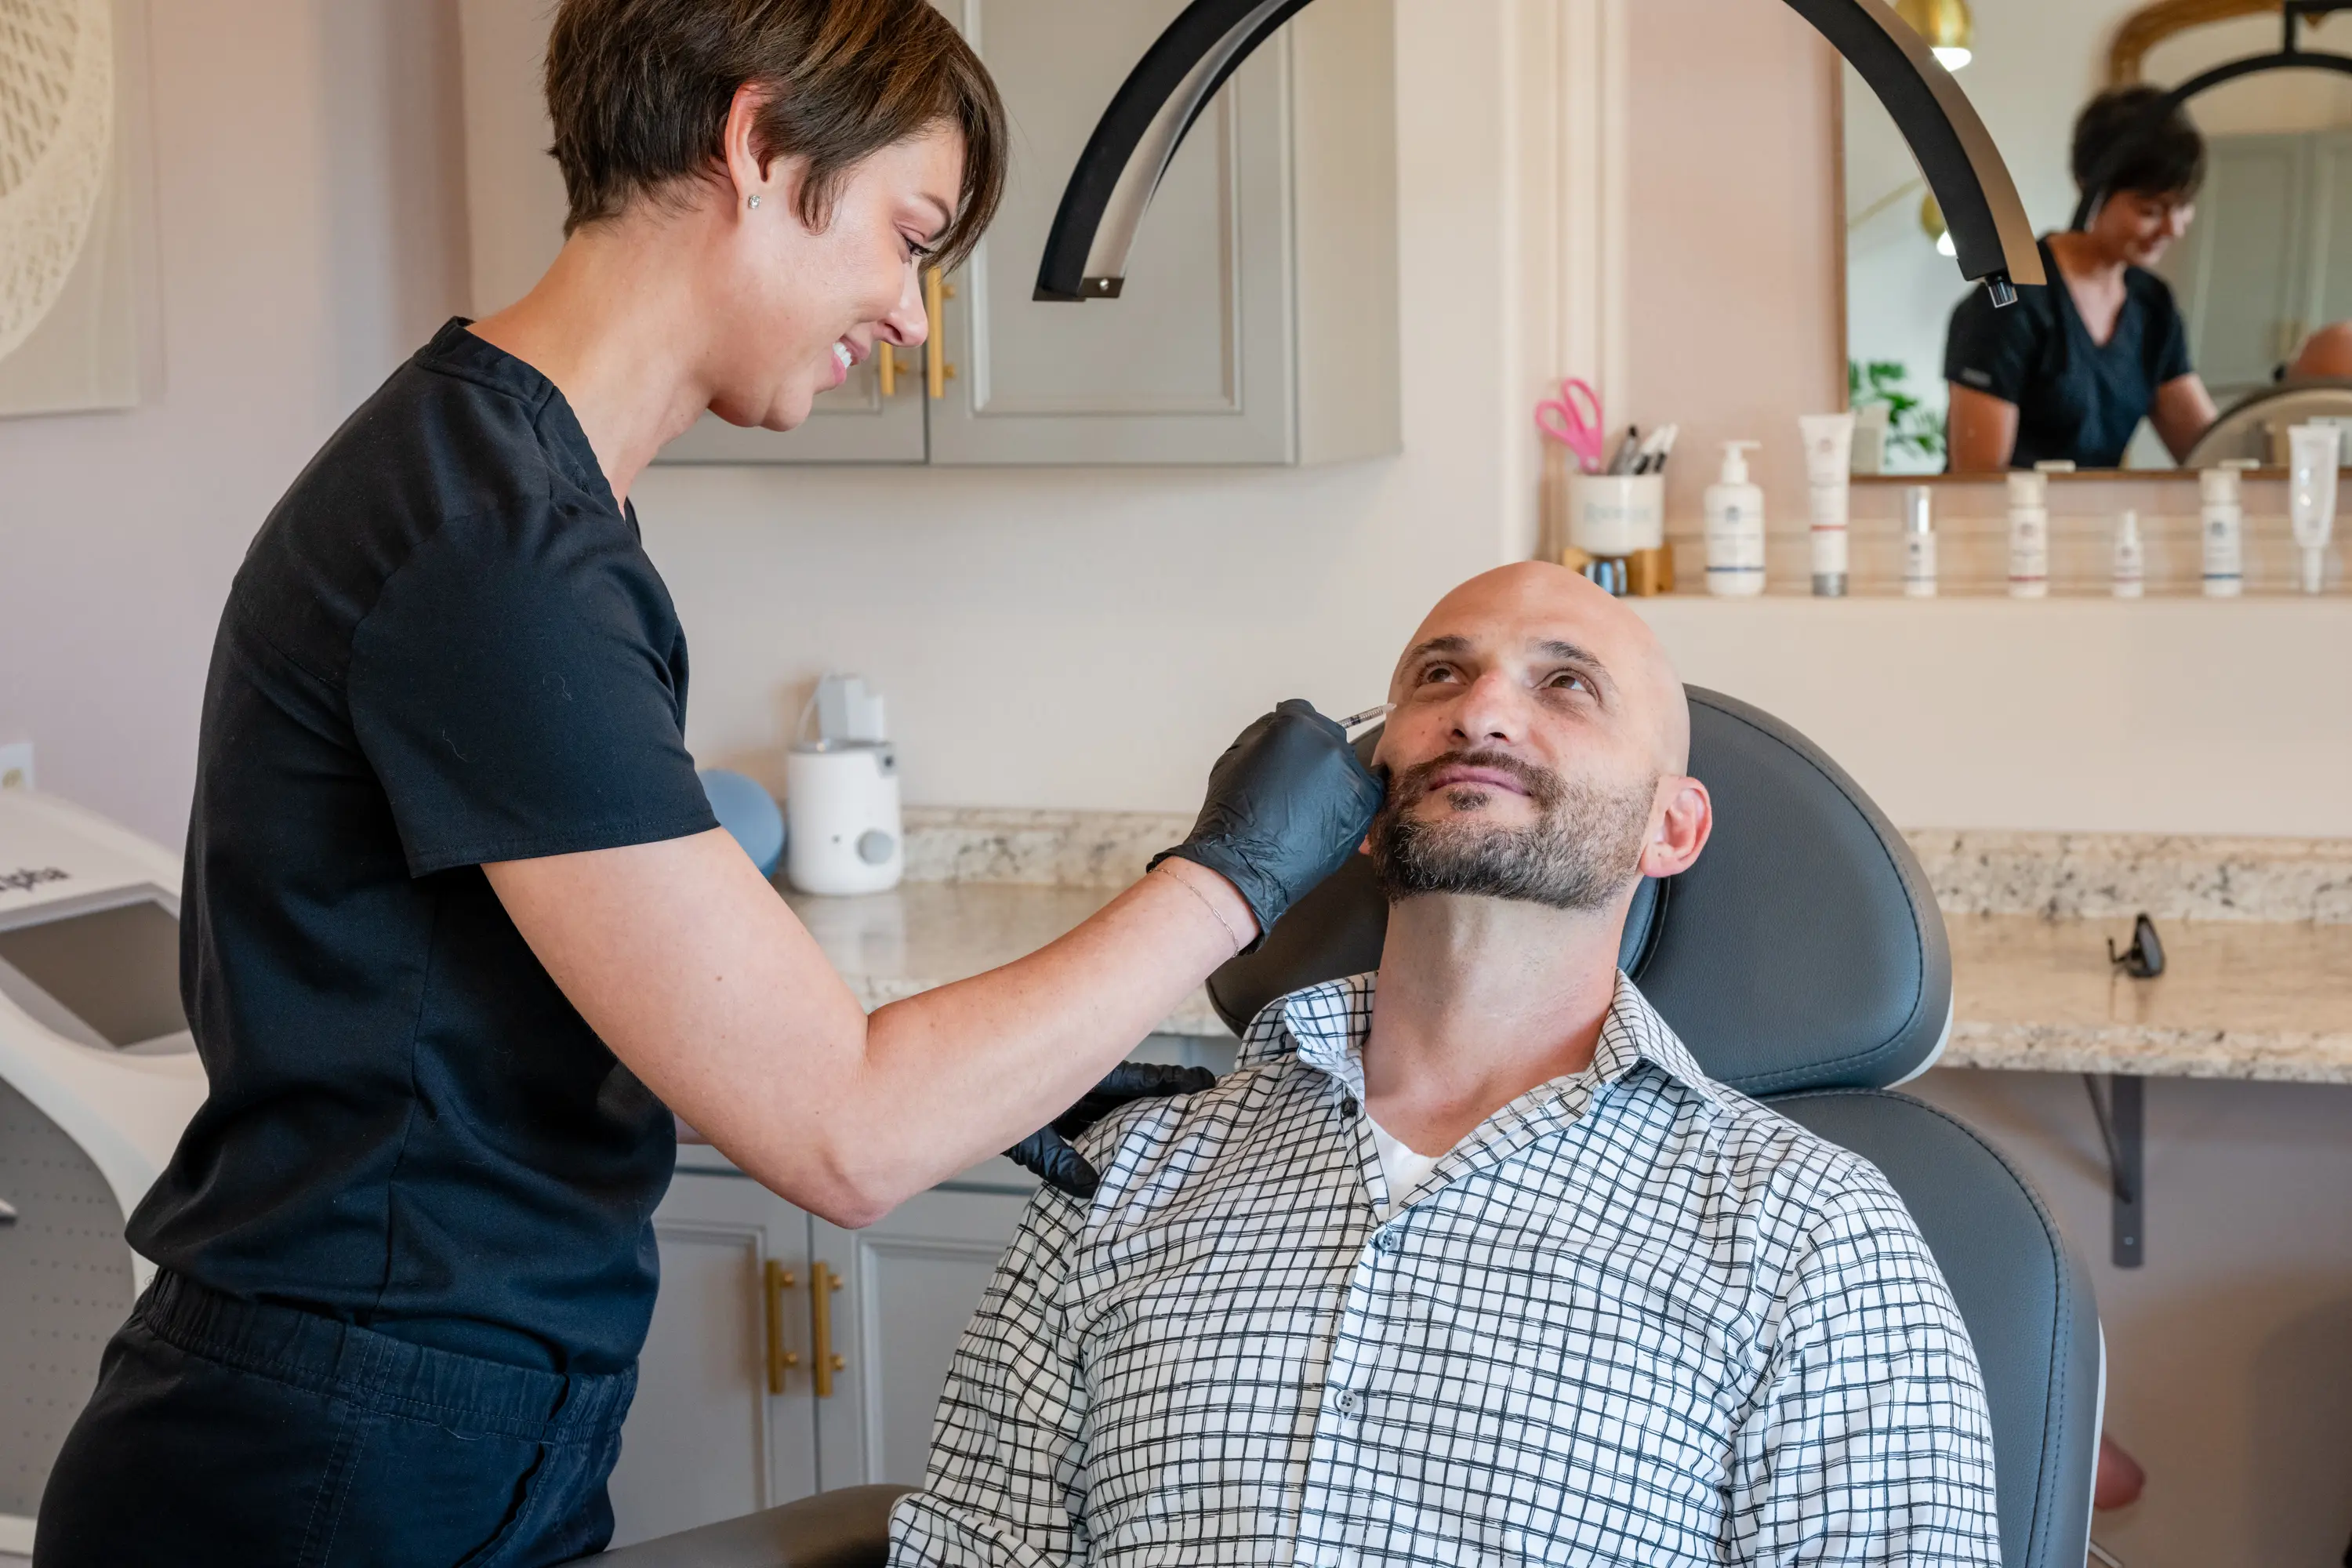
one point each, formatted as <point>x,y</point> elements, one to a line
<point>806,305</point>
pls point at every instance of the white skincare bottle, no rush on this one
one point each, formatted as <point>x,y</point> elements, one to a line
<point>2222,527</point>
<point>1918,542</point>
<point>2131,558</point>
<point>2029,536</point>
<point>1734,528</point>
<point>2316,451</point>
<point>1829,471</point>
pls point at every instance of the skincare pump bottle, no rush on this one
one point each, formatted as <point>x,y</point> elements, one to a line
<point>2131,559</point>
<point>1918,542</point>
<point>2029,536</point>
<point>1735,527</point>
<point>2222,526</point>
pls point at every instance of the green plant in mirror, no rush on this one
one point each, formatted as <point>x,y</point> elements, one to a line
<point>1911,426</point>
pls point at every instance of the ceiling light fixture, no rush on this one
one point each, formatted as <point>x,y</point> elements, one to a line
<point>1931,218</point>
<point>1948,25</point>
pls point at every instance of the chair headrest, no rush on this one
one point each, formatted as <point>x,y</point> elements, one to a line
<point>1803,950</point>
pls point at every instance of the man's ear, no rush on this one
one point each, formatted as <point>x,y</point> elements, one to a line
<point>1684,824</point>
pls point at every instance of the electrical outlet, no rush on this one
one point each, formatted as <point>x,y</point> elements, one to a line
<point>16,765</point>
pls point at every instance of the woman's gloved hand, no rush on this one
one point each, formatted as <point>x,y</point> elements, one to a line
<point>1047,1153</point>
<point>1288,802</point>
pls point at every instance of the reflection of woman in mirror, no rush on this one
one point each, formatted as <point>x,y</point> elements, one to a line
<point>2069,371</point>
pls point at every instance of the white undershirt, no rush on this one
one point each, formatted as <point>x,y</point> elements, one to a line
<point>1402,1166</point>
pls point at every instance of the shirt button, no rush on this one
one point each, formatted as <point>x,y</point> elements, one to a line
<point>1347,1105</point>
<point>1387,1242</point>
<point>1344,1402</point>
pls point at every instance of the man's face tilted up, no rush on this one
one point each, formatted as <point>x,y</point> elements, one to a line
<point>1536,749</point>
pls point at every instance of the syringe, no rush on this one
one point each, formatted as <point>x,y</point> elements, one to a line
<point>1354,723</point>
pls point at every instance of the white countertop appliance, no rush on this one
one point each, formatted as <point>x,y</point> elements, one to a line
<point>841,795</point>
<point>99,1076</point>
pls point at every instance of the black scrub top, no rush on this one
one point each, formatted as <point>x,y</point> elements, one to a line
<point>2076,399</point>
<point>446,646</point>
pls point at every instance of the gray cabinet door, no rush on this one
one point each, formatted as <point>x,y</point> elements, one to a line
<point>1195,364</point>
<point>907,1287</point>
<point>2239,274</point>
<point>705,1439</point>
<point>2328,220</point>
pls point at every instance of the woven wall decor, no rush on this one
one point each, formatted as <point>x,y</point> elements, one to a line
<point>57,120</point>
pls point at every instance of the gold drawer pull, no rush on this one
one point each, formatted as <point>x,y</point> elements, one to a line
<point>822,1283</point>
<point>885,365</point>
<point>936,369</point>
<point>778,1280</point>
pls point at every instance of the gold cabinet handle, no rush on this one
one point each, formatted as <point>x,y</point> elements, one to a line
<point>936,370</point>
<point>776,1280</point>
<point>885,365</point>
<point>822,1283</point>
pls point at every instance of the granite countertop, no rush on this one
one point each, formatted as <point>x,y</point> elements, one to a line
<point>2243,999</point>
<point>922,934</point>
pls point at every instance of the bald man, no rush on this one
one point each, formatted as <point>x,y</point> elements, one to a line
<point>1469,1261</point>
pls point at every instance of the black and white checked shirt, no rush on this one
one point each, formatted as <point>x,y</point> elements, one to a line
<point>1634,1318</point>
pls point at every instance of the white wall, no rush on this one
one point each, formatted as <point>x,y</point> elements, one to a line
<point>2180,715</point>
<point>1732,294</point>
<point>305,170</point>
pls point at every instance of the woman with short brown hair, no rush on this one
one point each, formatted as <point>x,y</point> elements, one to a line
<point>460,931</point>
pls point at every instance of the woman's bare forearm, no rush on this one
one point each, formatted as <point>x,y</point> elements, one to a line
<point>708,986</point>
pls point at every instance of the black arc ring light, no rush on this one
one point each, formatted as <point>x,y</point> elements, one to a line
<point>2287,57</point>
<point>1108,192</point>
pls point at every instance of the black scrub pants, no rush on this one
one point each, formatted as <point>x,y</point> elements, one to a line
<point>228,1433</point>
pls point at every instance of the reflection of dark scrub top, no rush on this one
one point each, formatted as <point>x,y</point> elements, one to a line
<point>446,646</point>
<point>2076,399</point>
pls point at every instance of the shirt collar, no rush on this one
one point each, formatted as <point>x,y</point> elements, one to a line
<point>1326,1026</point>
<point>456,351</point>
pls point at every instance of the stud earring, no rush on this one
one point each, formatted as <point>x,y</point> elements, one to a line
<point>754,202</point>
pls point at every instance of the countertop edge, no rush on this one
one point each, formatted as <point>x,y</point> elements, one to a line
<point>2256,1055</point>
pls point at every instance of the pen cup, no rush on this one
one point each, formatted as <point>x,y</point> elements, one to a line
<point>1616,514</point>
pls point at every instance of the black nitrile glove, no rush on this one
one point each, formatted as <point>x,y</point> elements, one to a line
<point>1047,1153</point>
<point>1288,802</point>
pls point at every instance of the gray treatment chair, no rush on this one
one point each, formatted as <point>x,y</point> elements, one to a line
<point>1804,962</point>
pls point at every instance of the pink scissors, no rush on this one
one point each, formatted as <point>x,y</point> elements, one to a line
<point>1578,428</point>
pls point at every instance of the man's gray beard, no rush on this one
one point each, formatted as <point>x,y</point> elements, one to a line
<point>1580,853</point>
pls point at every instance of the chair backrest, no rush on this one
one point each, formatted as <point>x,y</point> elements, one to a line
<point>1803,960</point>
<point>2022,1290</point>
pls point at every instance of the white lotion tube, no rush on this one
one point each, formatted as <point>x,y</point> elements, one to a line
<point>1829,474</point>
<point>2315,452</point>
<point>2222,527</point>
<point>2029,536</point>
<point>2131,557</point>
<point>1918,542</point>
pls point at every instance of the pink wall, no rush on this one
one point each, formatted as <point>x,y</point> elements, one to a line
<point>306,197</point>
<point>1733,259</point>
